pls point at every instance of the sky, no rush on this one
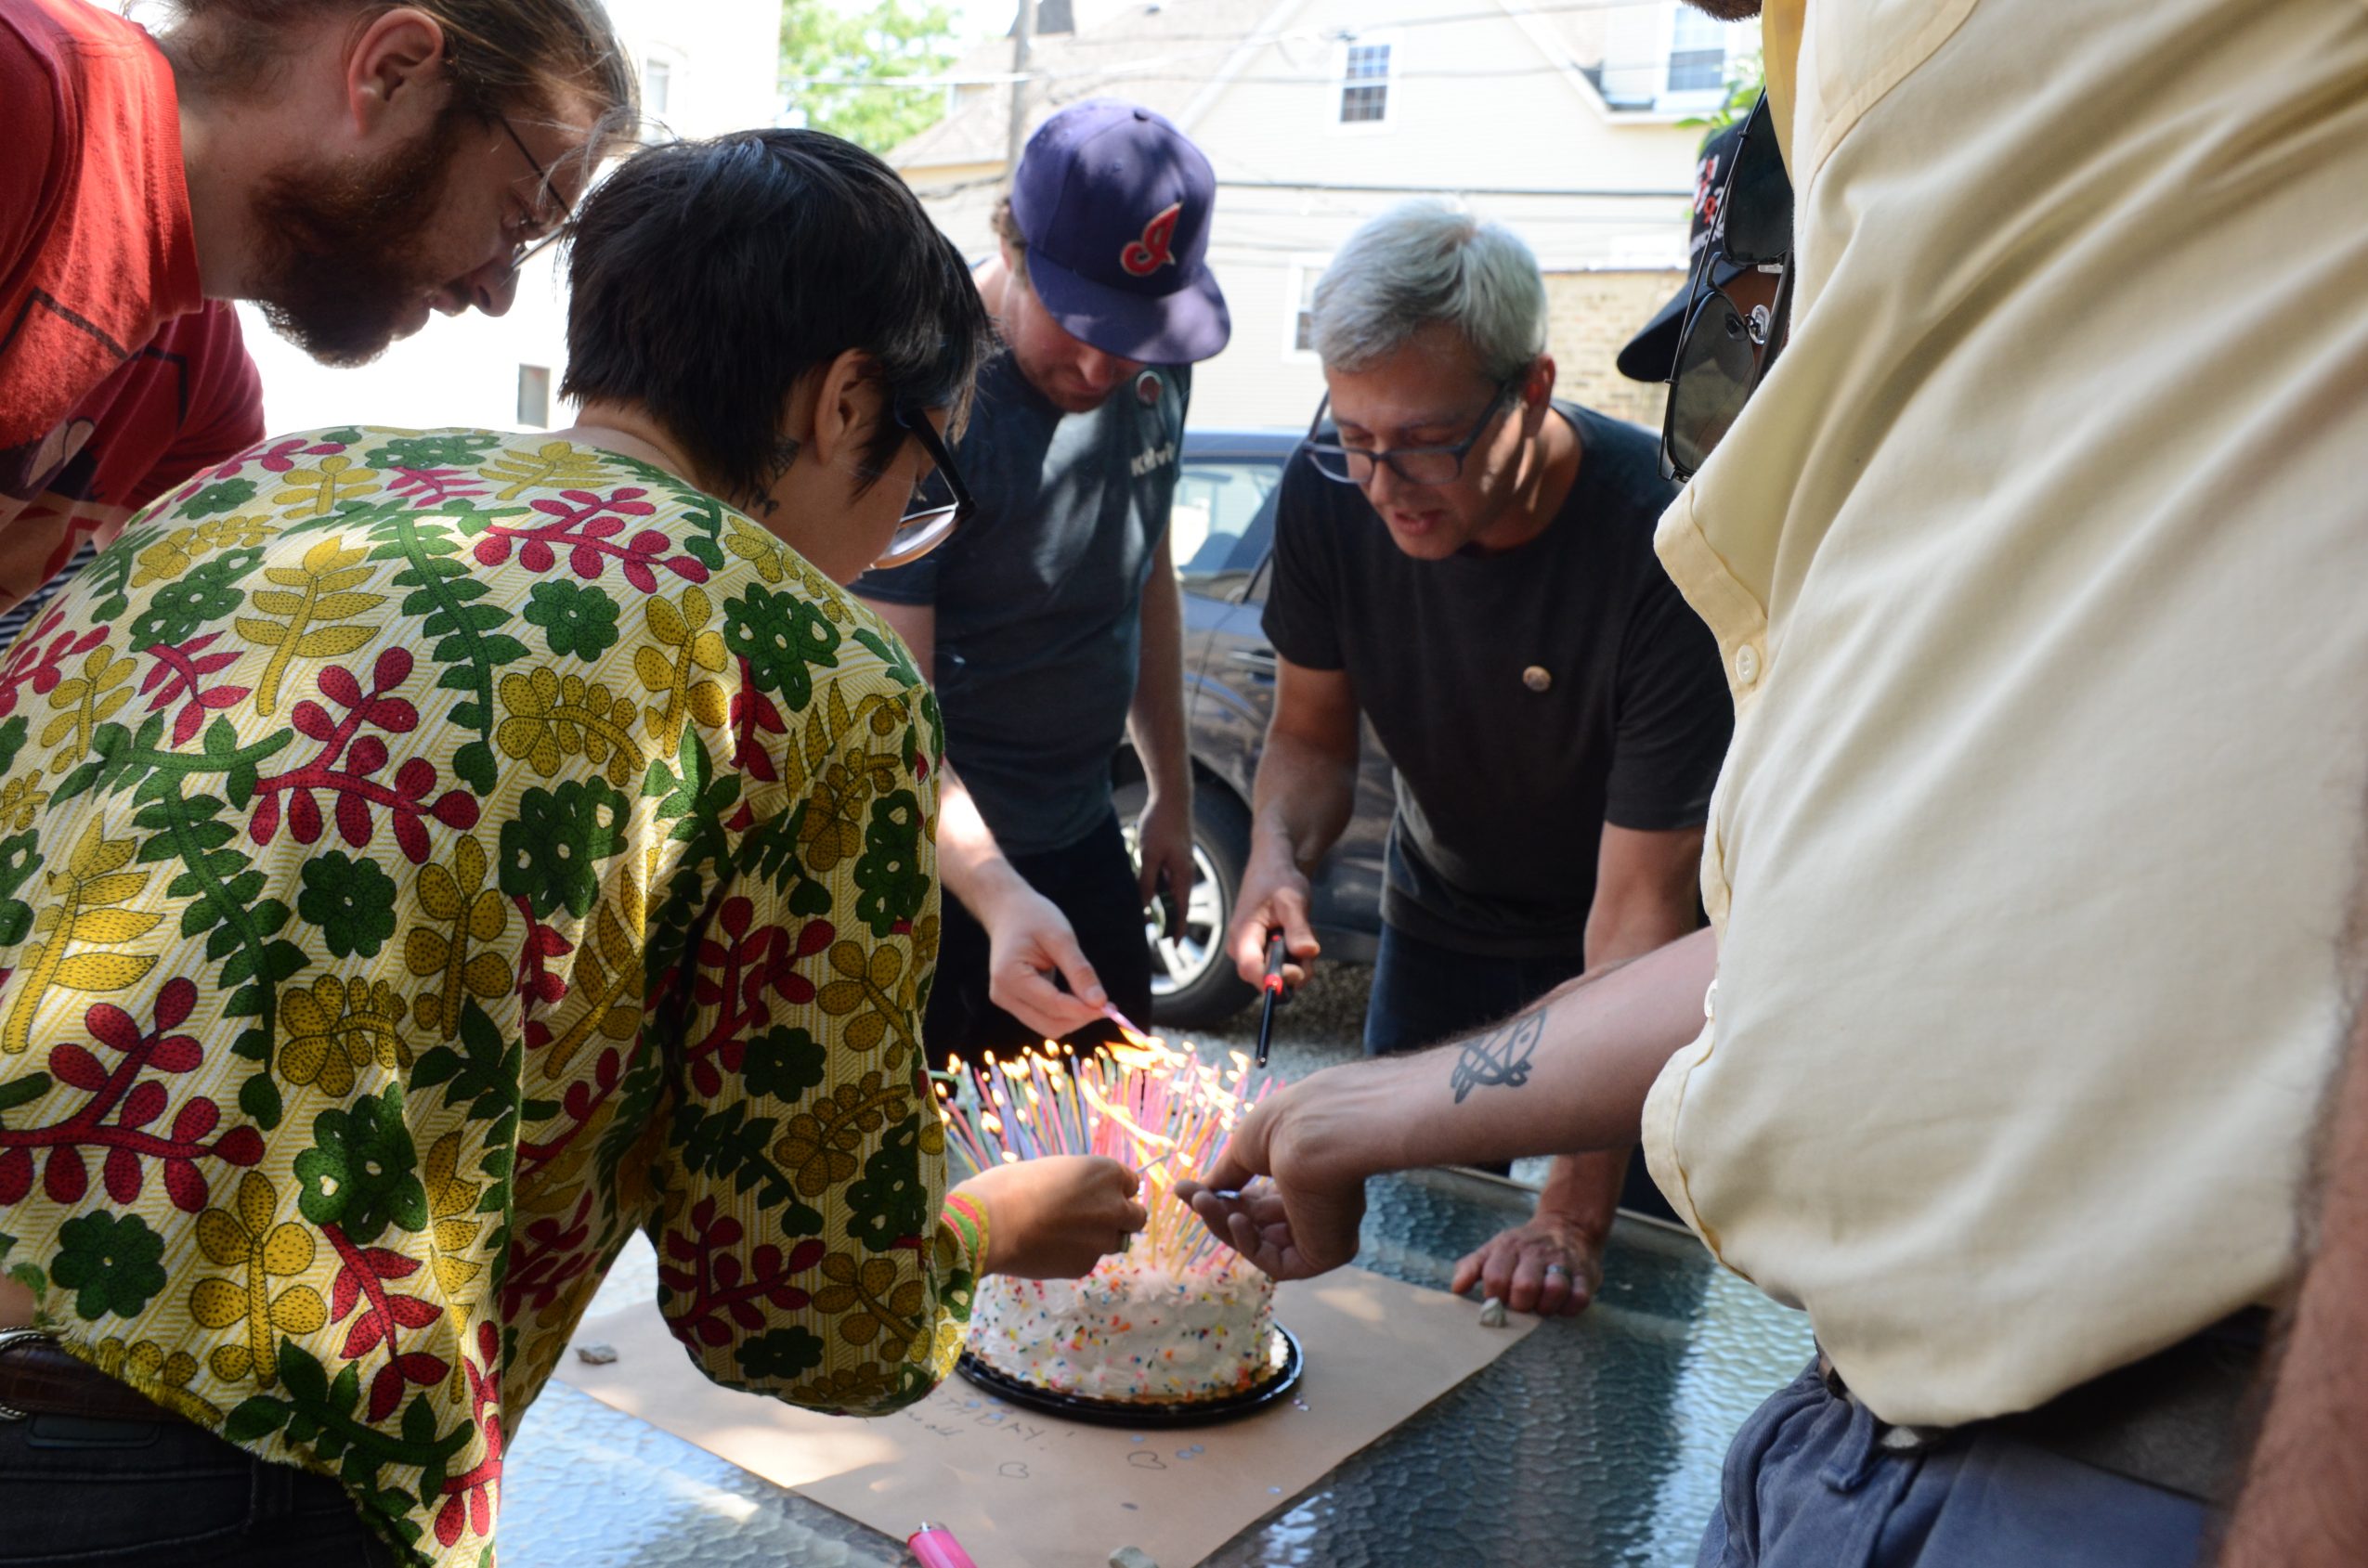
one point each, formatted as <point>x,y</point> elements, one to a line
<point>983,19</point>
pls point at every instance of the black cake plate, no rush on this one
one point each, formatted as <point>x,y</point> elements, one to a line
<point>1283,1357</point>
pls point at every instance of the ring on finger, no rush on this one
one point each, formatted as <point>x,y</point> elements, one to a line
<point>1556,1269</point>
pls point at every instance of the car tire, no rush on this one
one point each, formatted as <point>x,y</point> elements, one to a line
<point>1193,984</point>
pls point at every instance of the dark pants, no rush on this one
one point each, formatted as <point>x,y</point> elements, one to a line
<point>165,1493</point>
<point>1093,883</point>
<point>1809,1483</point>
<point>1424,994</point>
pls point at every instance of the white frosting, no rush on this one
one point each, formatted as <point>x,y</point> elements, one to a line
<point>1129,1333</point>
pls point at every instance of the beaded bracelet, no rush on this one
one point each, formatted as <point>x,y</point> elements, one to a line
<point>968,1218</point>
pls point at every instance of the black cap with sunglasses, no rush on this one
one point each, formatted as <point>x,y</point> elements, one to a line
<point>1712,348</point>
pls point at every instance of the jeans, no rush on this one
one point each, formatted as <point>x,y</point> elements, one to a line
<point>76,1492</point>
<point>1424,993</point>
<point>1808,1483</point>
<point>1093,883</point>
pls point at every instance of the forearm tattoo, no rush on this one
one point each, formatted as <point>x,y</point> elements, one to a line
<point>1499,1058</point>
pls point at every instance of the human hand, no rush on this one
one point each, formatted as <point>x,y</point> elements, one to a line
<point>1056,1216</point>
<point>1273,897</point>
<point>1550,1265</point>
<point>1029,942</point>
<point>1164,844</point>
<point>1303,1222</point>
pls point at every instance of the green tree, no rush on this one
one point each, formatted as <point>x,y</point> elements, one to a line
<point>1746,77</point>
<point>840,67</point>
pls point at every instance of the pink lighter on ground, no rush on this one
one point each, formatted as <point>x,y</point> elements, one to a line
<point>935,1546</point>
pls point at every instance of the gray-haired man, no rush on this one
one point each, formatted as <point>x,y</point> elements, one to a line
<point>1469,562</point>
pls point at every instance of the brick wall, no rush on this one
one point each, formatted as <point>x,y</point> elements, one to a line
<point>1591,316</point>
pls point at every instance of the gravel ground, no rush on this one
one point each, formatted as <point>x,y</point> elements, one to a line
<point>1325,1021</point>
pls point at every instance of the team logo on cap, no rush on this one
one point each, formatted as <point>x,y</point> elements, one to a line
<point>1156,249</point>
<point>1706,191</point>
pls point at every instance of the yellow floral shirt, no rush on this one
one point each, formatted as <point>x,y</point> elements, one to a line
<point>426,858</point>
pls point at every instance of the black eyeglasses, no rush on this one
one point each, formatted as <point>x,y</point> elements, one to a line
<point>926,527</point>
<point>1415,465</point>
<point>540,236</point>
<point>1724,351</point>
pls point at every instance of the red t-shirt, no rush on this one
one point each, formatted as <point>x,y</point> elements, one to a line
<point>118,378</point>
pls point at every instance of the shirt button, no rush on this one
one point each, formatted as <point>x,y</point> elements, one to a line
<point>1747,665</point>
<point>1538,678</point>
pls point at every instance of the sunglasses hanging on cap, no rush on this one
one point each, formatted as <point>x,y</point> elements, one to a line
<point>1725,348</point>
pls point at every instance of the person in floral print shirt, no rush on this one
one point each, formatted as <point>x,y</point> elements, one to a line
<point>427,858</point>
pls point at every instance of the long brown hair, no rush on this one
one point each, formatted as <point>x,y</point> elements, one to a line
<point>497,52</point>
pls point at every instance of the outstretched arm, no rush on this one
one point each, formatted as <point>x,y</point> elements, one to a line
<point>1156,723</point>
<point>1305,790</point>
<point>1569,1075</point>
<point>1029,940</point>
<point>1643,900</point>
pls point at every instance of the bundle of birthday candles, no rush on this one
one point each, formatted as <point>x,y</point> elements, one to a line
<point>1157,1109</point>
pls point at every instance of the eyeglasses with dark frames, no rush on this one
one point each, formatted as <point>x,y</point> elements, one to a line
<point>538,234</point>
<point>1724,351</point>
<point>1413,465</point>
<point>926,527</point>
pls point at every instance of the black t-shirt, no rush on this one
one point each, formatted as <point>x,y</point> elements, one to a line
<point>1504,790</point>
<point>1039,595</point>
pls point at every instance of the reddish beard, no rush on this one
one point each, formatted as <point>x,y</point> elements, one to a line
<point>344,256</point>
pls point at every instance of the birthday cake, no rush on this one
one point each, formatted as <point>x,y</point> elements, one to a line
<point>1178,1318</point>
<point>1130,1332</point>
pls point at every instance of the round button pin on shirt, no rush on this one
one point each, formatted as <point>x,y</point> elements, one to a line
<point>1537,678</point>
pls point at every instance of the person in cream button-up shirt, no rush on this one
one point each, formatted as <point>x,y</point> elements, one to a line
<point>2042,542</point>
<point>2036,568</point>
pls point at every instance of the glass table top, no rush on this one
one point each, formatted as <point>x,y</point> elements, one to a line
<point>1594,1441</point>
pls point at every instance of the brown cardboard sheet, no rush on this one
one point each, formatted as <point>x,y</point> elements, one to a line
<point>1023,1490</point>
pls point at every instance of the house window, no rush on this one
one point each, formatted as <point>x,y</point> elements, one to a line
<point>1300,278</point>
<point>1696,53</point>
<point>534,395</point>
<point>657,77</point>
<point>1364,84</point>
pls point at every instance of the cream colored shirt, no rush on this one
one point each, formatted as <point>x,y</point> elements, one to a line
<point>2040,569</point>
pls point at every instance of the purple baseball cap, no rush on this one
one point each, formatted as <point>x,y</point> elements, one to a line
<point>1115,204</point>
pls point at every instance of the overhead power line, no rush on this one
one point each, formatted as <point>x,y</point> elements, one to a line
<point>1461,190</point>
<point>1323,77</point>
<point>1137,70</point>
<point>1394,23</point>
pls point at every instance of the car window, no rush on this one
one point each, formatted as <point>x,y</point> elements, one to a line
<point>1217,500</point>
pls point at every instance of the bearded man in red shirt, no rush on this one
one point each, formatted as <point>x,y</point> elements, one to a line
<point>347,165</point>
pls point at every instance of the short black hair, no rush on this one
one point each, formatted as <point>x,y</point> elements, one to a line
<point>707,277</point>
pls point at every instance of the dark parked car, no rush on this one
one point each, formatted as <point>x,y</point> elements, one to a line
<point>1222,531</point>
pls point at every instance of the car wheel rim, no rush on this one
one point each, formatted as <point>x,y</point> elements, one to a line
<point>1178,965</point>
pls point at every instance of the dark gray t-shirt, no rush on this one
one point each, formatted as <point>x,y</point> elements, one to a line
<point>1039,596</point>
<point>1504,790</point>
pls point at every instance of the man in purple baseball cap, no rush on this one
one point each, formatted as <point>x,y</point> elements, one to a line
<point>1050,622</point>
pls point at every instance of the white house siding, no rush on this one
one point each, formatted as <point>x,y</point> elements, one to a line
<point>721,60</point>
<point>1476,109</point>
<point>1483,108</point>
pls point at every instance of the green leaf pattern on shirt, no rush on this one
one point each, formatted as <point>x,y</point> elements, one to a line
<point>426,857</point>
